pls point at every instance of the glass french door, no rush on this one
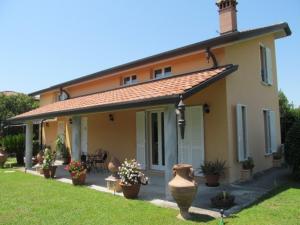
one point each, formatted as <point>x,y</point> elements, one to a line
<point>157,140</point>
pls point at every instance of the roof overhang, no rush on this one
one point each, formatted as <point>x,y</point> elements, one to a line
<point>279,31</point>
<point>203,79</point>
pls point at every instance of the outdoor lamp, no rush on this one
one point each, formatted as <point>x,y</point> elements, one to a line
<point>180,111</point>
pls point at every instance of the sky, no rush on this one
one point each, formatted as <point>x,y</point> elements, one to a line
<point>43,43</point>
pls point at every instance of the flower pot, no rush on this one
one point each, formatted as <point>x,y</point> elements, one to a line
<point>46,173</point>
<point>183,188</point>
<point>3,158</point>
<point>53,171</point>
<point>212,180</point>
<point>246,175</point>
<point>222,203</point>
<point>80,180</point>
<point>130,191</point>
<point>277,163</point>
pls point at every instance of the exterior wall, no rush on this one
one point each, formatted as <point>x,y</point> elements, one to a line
<point>181,65</point>
<point>50,133</point>
<point>215,122</point>
<point>245,87</point>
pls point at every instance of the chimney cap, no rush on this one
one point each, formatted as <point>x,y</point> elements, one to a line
<point>218,2</point>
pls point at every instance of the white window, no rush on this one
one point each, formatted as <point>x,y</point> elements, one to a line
<point>129,80</point>
<point>160,73</point>
<point>242,135</point>
<point>266,65</point>
<point>270,131</point>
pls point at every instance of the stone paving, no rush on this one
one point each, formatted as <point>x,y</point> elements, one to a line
<point>245,193</point>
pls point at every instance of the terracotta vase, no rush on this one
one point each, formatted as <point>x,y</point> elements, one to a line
<point>79,180</point>
<point>46,173</point>
<point>183,188</point>
<point>212,180</point>
<point>130,191</point>
<point>3,158</point>
<point>113,166</point>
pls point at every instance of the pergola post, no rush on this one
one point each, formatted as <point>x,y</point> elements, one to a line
<point>171,157</point>
<point>28,145</point>
<point>76,138</point>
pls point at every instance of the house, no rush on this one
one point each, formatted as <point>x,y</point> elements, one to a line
<point>215,99</point>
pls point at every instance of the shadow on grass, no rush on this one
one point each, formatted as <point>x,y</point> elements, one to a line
<point>200,218</point>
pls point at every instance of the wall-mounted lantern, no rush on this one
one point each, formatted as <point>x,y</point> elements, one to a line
<point>111,117</point>
<point>206,108</point>
<point>180,111</point>
<point>70,121</point>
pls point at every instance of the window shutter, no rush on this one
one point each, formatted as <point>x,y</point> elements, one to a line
<point>191,148</point>
<point>141,139</point>
<point>273,135</point>
<point>269,66</point>
<point>239,129</point>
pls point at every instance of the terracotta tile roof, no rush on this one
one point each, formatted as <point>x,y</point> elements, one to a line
<point>167,89</point>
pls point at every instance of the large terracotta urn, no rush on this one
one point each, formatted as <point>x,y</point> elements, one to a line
<point>3,157</point>
<point>183,188</point>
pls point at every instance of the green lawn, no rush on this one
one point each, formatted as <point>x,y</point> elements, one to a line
<point>27,199</point>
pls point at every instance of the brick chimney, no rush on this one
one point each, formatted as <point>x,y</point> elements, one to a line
<point>227,14</point>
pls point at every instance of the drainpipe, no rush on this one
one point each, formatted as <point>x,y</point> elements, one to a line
<point>209,55</point>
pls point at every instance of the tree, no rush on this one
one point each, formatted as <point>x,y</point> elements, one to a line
<point>12,105</point>
<point>288,115</point>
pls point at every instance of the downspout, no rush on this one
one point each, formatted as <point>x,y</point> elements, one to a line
<point>209,55</point>
<point>41,134</point>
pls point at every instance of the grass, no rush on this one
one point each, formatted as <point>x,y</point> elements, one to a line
<point>27,199</point>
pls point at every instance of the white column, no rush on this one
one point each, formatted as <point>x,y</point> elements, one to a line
<point>76,138</point>
<point>28,145</point>
<point>171,158</point>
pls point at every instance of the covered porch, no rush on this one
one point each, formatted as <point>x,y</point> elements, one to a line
<point>160,123</point>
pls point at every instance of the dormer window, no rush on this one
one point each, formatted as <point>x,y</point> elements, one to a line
<point>161,73</point>
<point>129,80</point>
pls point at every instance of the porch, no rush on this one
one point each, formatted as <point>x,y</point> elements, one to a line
<point>245,193</point>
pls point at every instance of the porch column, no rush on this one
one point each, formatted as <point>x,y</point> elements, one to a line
<point>76,138</point>
<point>171,157</point>
<point>28,145</point>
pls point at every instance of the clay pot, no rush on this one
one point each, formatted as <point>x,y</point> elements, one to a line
<point>212,180</point>
<point>183,188</point>
<point>277,163</point>
<point>113,166</point>
<point>246,175</point>
<point>46,173</point>
<point>79,180</point>
<point>130,191</point>
<point>3,158</point>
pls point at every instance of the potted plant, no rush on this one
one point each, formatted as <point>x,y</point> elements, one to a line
<point>223,200</point>
<point>3,157</point>
<point>131,178</point>
<point>247,167</point>
<point>77,171</point>
<point>277,157</point>
<point>212,171</point>
<point>48,164</point>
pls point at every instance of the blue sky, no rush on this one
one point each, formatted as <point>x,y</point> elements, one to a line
<point>48,42</point>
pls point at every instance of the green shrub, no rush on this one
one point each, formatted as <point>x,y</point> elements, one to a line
<point>292,152</point>
<point>15,144</point>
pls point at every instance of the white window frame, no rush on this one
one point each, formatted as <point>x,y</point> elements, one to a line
<point>163,73</point>
<point>270,134</point>
<point>131,81</point>
<point>242,132</point>
<point>266,72</point>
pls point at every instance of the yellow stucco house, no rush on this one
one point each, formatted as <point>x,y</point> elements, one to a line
<point>228,85</point>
